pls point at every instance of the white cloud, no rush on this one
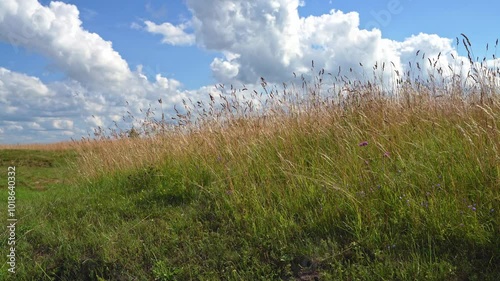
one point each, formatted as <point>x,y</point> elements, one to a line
<point>21,85</point>
<point>34,126</point>
<point>265,35</point>
<point>56,32</point>
<point>30,107</point>
<point>173,35</point>
<point>62,124</point>
<point>270,39</point>
<point>99,81</point>
<point>23,95</point>
<point>224,69</point>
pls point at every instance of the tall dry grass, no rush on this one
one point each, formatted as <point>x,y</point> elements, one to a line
<point>236,118</point>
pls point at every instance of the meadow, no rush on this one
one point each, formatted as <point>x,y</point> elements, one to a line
<point>357,182</point>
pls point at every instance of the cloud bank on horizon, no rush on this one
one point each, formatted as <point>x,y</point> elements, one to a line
<point>255,38</point>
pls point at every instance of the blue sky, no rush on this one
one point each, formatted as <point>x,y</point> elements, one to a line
<point>63,62</point>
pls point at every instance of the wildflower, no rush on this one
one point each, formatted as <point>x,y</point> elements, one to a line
<point>387,154</point>
<point>364,143</point>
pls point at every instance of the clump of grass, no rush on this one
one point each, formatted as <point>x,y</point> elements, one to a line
<point>325,178</point>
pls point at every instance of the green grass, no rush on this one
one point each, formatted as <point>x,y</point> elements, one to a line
<point>39,169</point>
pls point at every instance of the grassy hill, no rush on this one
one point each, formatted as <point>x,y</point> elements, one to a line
<point>371,185</point>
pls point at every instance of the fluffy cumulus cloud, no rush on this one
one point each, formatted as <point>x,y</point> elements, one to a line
<point>173,35</point>
<point>270,39</point>
<point>98,80</point>
<point>259,38</point>
<point>56,32</point>
<point>32,110</point>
